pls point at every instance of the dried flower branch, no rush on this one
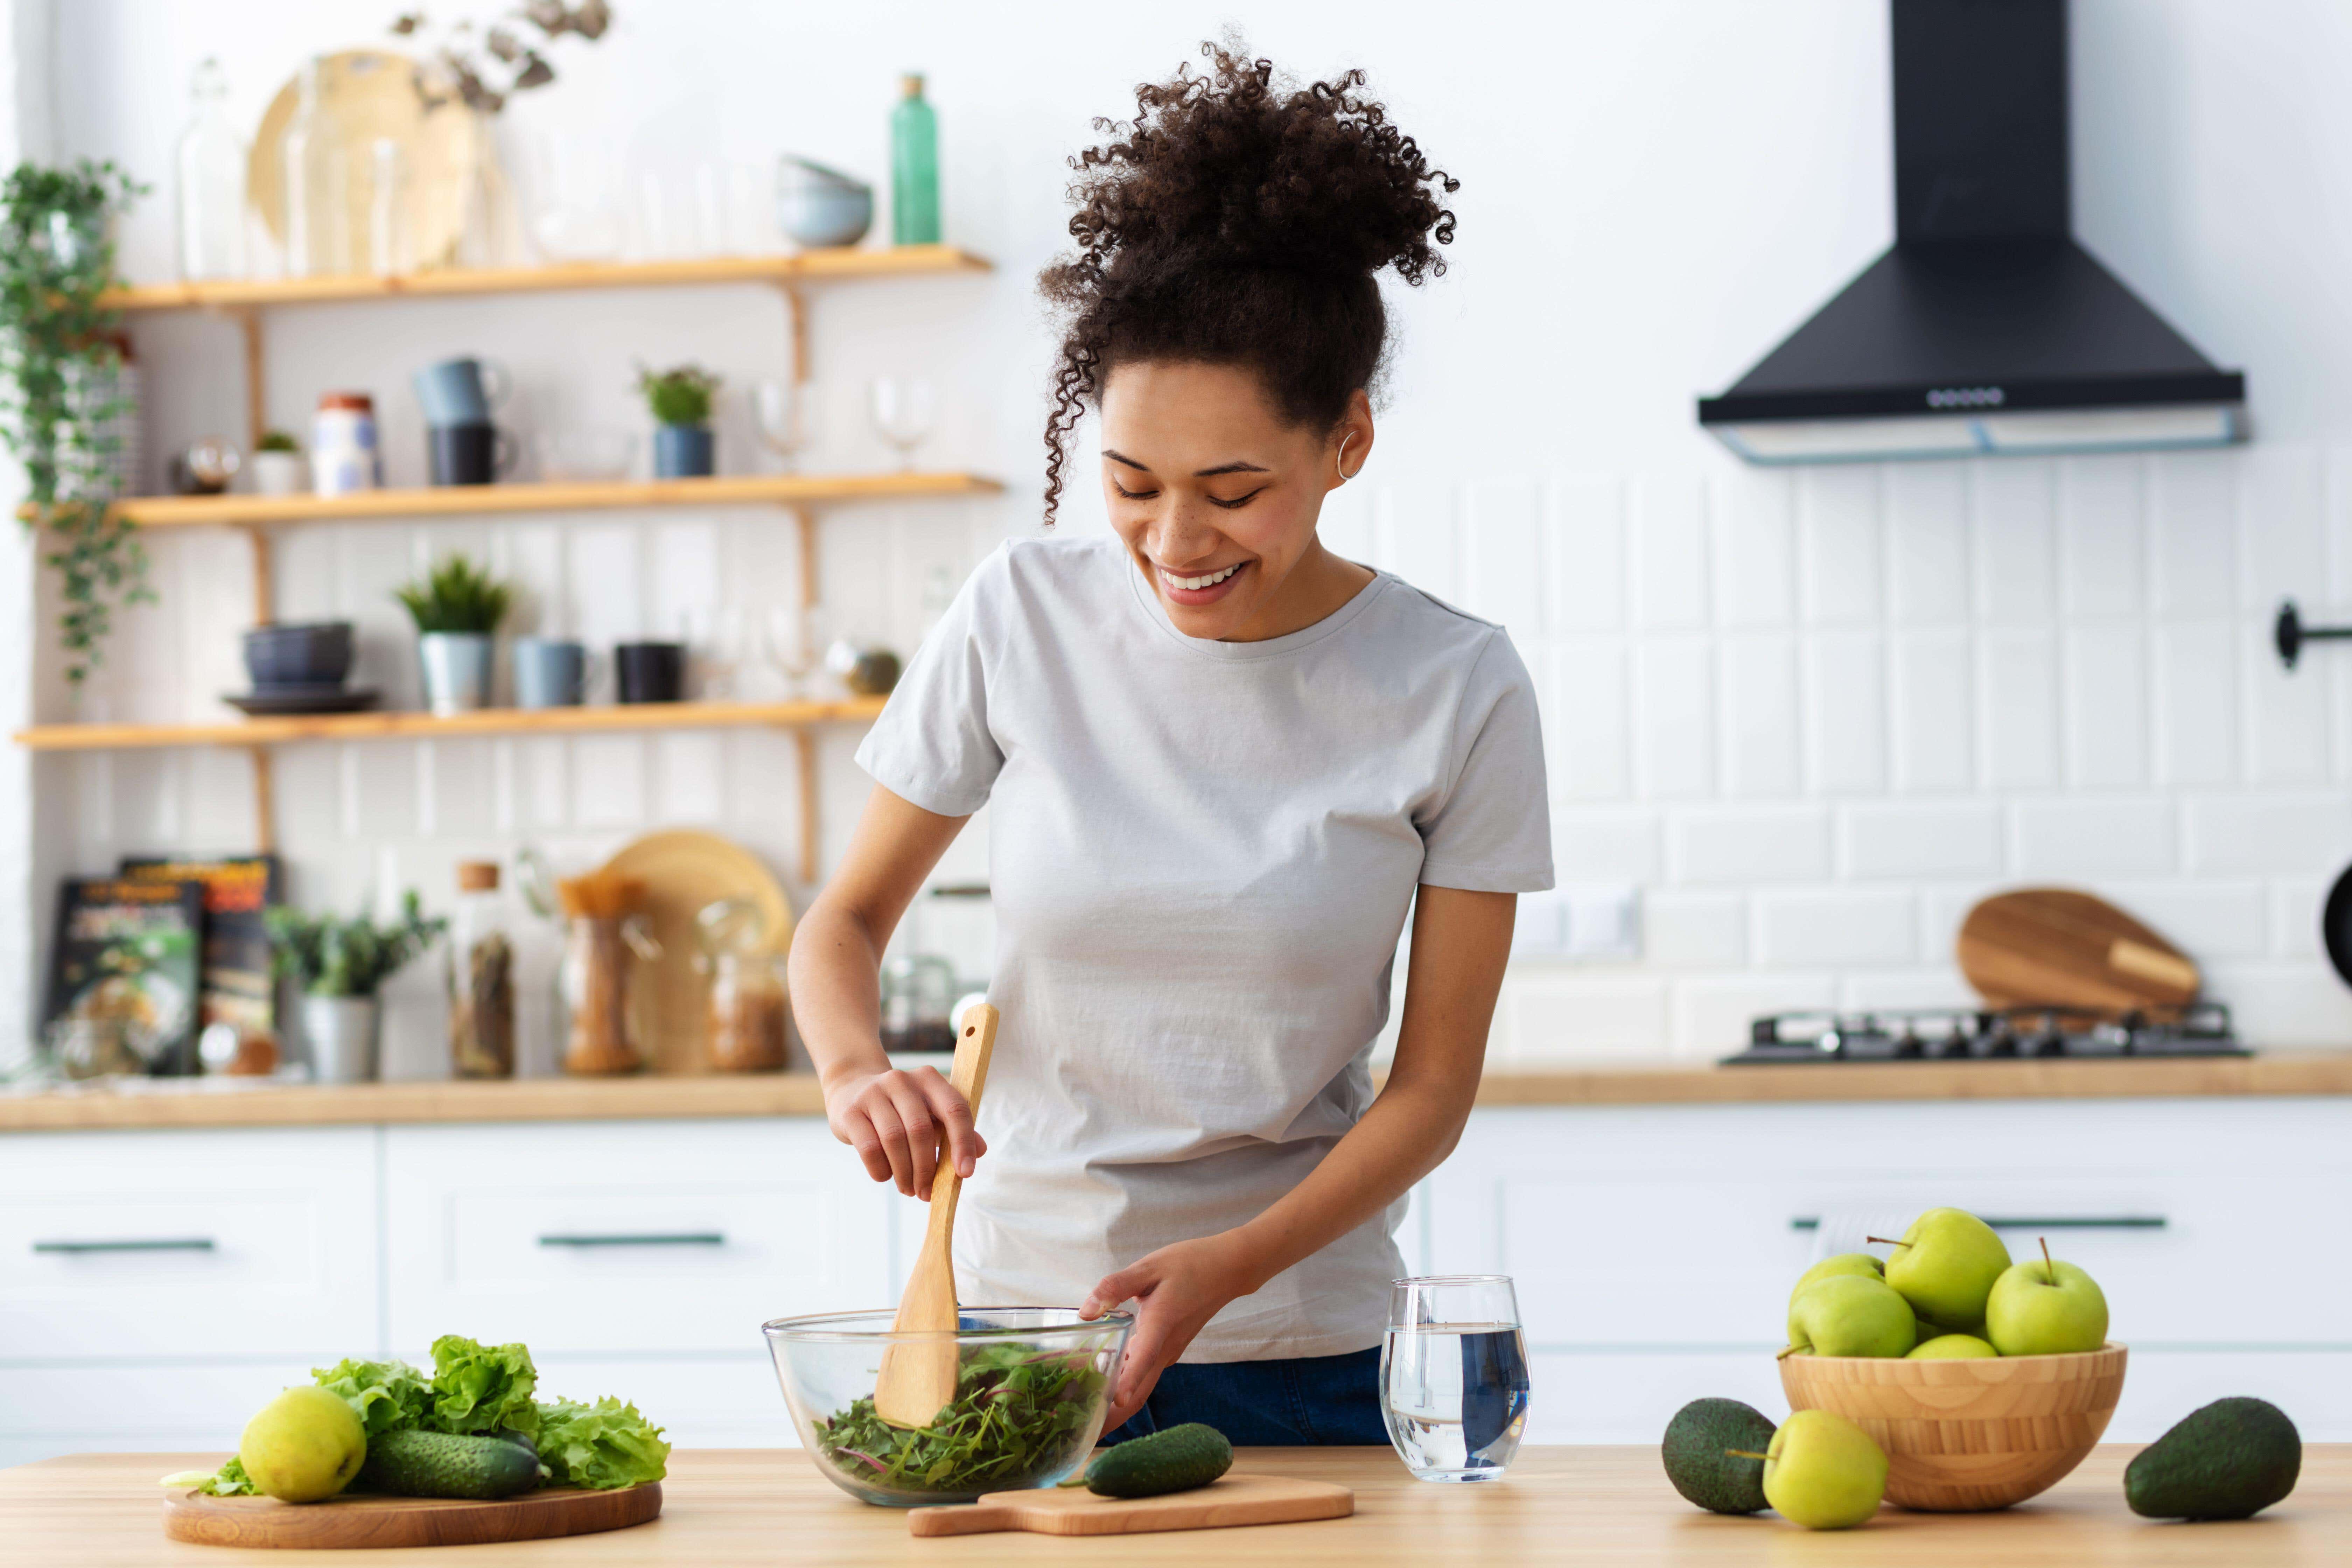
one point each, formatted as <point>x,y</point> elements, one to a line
<point>483,75</point>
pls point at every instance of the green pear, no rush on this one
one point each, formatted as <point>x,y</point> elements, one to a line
<point>303,1446</point>
<point>1952,1347</point>
<point>1849,1314</point>
<point>1945,1265</point>
<point>1828,1268</point>
<point>2043,1307</point>
<point>1822,1472</point>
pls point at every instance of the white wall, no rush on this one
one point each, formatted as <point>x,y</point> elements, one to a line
<point>1812,715</point>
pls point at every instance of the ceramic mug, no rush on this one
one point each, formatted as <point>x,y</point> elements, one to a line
<point>461,391</point>
<point>549,672</point>
<point>470,454</point>
<point>650,671</point>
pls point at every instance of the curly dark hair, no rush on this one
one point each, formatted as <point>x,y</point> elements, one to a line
<point>1238,219</point>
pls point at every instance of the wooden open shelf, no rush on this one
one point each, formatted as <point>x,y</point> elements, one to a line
<point>395,726</point>
<point>473,500</point>
<point>832,266</point>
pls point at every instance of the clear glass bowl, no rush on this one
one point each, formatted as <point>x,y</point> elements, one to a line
<point>1032,1388</point>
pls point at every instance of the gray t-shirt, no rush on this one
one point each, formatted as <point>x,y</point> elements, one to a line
<point>1202,854</point>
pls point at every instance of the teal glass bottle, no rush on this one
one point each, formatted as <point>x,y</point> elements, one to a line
<point>914,168</point>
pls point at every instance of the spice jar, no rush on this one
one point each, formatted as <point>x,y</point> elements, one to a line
<point>747,987</point>
<point>596,991</point>
<point>343,453</point>
<point>480,977</point>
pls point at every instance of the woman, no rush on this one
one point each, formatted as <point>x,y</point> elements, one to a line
<point>1222,760</point>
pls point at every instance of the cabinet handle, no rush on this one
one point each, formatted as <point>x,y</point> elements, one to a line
<point>160,1244</point>
<point>2069,1222</point>
<point>650,1238</point>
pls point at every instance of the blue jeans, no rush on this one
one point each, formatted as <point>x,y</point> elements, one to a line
<point>1307,1400</point>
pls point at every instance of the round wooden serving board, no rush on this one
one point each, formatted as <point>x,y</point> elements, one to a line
<point>2054,946</point>
<point>377,1521</point>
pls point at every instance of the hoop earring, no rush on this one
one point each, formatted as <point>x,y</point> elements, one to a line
<point>1338,459</point>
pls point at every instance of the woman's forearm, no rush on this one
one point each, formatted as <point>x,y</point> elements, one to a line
<point>836,994</point>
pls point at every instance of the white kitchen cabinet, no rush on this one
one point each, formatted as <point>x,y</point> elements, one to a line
<point>1653,1246</point>
<point>183,1404</point>
<point>175,1244</point>
<point>628,1237</point>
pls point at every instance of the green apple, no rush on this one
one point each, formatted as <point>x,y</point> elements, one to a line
<point>1843,1263</point>
<point>1952,1347</point>
<point>302,1445</point>
<point>1849,1314</point>
<point>2043,1307</point>
<point>1945,1265</point>
<point>1822,1472</point>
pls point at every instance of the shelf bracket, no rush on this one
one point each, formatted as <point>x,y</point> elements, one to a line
<point>796,325</point>
<point>257,384</point>
<point>805,522</point>
<point>265,596</point>
<point>265,803</point>
<point>804,742</point>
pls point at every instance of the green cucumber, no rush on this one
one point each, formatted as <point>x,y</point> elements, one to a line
<point>442,1464</point>
<point>1176,1460</point>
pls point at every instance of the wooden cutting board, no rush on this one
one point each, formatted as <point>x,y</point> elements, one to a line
<point>2059,947</point>
<point>376,1521</point>
<point>1235,1498</point>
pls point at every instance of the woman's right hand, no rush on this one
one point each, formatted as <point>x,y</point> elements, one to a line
<point>893,1120</point>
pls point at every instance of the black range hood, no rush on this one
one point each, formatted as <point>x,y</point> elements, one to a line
<point>1985,328</point>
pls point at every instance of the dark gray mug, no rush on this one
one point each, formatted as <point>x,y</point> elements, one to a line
<point>650,671</point>
<point>470,454</point>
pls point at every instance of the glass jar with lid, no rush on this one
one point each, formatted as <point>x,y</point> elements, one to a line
<point>918,994</point>
<point>480,976</point>
<point>748,1006</point>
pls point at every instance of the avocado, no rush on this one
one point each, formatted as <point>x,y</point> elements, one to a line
<point>2230,1461</point>
<point>1175,1460</point>
<point>1696,1462</point>
<point>441,1464</point>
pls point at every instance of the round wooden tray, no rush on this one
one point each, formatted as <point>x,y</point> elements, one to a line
<point>377,1521</point>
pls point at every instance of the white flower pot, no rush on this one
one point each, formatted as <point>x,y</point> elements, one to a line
<point>342,1033</point>
<point>279,473</point>
<point>457,670</point>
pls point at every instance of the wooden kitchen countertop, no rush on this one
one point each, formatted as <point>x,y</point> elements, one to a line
<point>228,1102</point>
<point>1596,1508</point>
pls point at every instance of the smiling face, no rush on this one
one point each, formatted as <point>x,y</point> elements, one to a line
<point>1216,495</point>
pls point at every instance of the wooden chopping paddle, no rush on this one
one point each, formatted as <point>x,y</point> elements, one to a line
<point>2057,947</point>
<point>1235,1498</point>
<point>918,1376</point>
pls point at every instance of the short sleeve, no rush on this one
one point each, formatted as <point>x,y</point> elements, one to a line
<point>1491,832</point>
<point>933,745</point>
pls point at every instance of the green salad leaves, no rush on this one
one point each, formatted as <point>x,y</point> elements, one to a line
<point>486,1390</point>
<point>1015,1415</point>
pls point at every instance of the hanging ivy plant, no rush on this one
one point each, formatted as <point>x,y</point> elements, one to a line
<point>58,359</point>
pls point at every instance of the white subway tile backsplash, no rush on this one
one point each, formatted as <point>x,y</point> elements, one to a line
<point>379,779</point>
<point>1927,542</point>
<point>1839,551</point>
<point>689,772</point>
<point>2205,920</point>
<point>1685,930</point>
<point>1588,557</point>
<point>2090,839</point>
<point>2196,703</point>
<point>608,780</point>
<point>1673,717</point>
<point>2267,834</point>
<point>461,788</point>
<point>1505,526</point>
<point>2014,516</point>
<point>1420,527</point>
<point>1730,845</point>
<point>1845,712</point>
<point>1933,712</point>
<point>1891,990</point>
<point>2194,524</point>
<point>1587,742</point>
<point>2107,707</point>
<point>1755,548</point>
<point>1670,569</point>
<point>1835,928</point>
<point>2286,716</point>
<point>1761,725</point>
<point>2102,542</point>
<point>1560,1017</point>
<point>1912,841</point>
<point>605,588</point>
<point>2284,1005</point>
<point>1604,844</point>
<point>2295,906</point>
<point>2284,523</point>
<point>1345,527</point>
<point>2018,706</point>
<point>1711,1014</point>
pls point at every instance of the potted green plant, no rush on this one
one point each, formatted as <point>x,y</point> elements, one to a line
<point>680,401</point>
<point>63,389</point>
<point>458,606</point>
<point>278,465</point>
<point>340,965</point>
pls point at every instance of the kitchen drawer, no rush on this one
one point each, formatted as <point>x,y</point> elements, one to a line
<point>643,1238</point>
<point>219,1243</point>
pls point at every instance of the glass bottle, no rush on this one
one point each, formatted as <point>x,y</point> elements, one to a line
<point>480,976</point>
<point>914,168</point>
<point>211,168</point>
<point>318,218</point>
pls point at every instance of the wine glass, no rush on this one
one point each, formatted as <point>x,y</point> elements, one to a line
<point>796,639</point>
<point>905,408</point>
<point>784,412</point>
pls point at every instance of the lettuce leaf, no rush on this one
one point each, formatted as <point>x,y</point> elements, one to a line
<point>232,1480</point>
<point>386,1395</point>
<point>606,1444</point>
<point>479,1388</point>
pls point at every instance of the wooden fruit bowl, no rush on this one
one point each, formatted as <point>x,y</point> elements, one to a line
<point>1962,1436</point>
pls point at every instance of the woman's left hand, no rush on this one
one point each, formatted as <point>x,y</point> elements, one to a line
<point>1177,1290</point>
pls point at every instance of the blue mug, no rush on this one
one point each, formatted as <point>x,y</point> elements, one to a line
<point>549,673</point>
<point>461,391</point>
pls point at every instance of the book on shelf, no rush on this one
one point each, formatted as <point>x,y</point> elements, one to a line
<point>124,975</point>
<point>236,988</point>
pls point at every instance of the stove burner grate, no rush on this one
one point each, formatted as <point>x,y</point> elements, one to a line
<point>1991,1033</point>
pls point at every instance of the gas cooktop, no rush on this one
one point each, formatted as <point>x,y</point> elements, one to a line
<point>1998,1034</point>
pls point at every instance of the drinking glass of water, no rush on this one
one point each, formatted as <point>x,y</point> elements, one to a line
<point>1453,1375</point>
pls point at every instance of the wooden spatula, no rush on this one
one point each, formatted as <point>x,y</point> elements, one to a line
<point>918,1377</point>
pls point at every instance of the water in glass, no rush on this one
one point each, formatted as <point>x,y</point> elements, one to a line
<point>1454,1378</point>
